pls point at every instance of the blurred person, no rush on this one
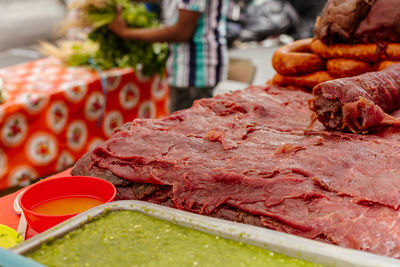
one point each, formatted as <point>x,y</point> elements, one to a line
<point>198,56</point>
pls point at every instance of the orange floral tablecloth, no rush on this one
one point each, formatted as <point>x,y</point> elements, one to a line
<point>54,114</point>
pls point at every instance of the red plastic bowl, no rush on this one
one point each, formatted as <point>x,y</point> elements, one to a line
<point>69,186</point>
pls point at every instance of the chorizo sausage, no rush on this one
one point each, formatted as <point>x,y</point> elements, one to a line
<point>307,80</point>
<point>343,67</point>
<point>386,63</point>
<point>393,51</point>
<point>295,59</point>
<point>363,52</point>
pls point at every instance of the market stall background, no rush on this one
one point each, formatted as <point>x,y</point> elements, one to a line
<point>379,208</point>
<point>53,114</point>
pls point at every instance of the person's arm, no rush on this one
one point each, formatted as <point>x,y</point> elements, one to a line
<point>182,31</point>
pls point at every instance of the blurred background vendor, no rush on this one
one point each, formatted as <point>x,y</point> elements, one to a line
<point>198,57</point>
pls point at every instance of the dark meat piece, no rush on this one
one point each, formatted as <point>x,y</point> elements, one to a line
<point>381,24</point>
<point>339,20</point>
<point>360,103</point>
<point>356,21</point>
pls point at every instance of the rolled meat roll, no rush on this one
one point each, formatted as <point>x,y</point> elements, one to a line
<point>359,104</point>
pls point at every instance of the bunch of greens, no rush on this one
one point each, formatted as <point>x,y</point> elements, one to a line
<point>72,53</point>
<point>114,51</point>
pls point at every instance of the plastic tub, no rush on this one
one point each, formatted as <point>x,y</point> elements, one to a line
<point>77,187</point>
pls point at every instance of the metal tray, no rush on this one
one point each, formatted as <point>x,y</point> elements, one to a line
<point>290,245</point>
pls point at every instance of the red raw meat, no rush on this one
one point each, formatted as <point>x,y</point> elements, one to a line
<point>245,157</point>
<point>360,103</point>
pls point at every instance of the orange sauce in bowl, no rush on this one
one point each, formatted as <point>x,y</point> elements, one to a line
<point>67,205</point>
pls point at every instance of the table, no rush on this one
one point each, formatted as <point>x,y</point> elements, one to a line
<point>54,114</point>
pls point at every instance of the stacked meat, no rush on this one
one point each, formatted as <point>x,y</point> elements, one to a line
<point>297,66</point>
<point>244,157</point>
<point>352,37</point>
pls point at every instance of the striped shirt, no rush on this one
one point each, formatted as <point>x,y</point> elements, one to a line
<point>203,61</point>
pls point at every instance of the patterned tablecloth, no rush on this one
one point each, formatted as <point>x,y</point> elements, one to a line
<point>54,114</point>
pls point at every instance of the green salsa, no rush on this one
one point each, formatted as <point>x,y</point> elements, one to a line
<point>129,238</point>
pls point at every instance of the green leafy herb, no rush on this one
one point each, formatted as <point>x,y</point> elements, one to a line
<point>114,51</point>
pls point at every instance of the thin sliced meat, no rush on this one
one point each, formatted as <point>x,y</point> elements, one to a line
<point>245,157</point>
